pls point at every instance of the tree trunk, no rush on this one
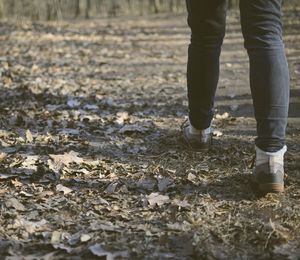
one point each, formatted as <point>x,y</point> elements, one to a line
<point>11,8</point>
<point>48,11</point>
<point>87,9</point>
<point>100,6</point>
<point>77,8</point>
<point>154,5</point>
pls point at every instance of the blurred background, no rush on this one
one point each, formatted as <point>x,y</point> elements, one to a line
<point>70,9</point>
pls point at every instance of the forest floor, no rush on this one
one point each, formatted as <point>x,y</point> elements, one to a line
<point>92,164</point>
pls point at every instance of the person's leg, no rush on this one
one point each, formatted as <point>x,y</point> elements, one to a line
<point>269,81</point>
<point>269,75</point>
<point>207,20</point>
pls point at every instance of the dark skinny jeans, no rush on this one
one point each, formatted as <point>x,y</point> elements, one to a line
<point>269,75</point>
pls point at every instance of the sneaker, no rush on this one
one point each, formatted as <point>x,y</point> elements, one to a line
<point>196,139</point>
<point>268,173</point>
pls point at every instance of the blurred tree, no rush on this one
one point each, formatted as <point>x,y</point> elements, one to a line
<point>99,6</point>
<point>10,7</point>
<point>87,9</point>
<point>58,9</point>
<point>154,5</point>
<point>114,8</point>
<point>77,8</point>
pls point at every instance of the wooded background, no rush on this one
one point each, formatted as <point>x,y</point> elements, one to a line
<point>68,9</point>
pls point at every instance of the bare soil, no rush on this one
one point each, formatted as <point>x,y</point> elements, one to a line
<point>92,164</point>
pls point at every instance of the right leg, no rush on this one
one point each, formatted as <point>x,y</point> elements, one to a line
<point>207,20</point>
<point>269,82</point>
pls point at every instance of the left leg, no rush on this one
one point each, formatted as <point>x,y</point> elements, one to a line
<point>207,20</point>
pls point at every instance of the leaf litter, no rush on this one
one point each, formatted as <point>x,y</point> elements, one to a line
<point>91,158</point>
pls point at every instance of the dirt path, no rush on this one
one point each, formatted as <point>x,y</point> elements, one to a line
<point>92,163</point>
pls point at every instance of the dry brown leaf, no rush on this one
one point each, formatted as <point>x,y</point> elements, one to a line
<point>85,237</point>
<point>17,183</point>
<point>66,158</point>
<point>2,156</point>
<point>28,136</point>
<point>30,226</point>
<point>56,237</point>
<point>121,118</point>
<point>64,189</point>
<point>133,128</point>
<point>14,203</point>
<point>157,199</point>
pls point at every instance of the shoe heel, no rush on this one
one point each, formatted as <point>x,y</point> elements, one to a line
<point>271,188</point>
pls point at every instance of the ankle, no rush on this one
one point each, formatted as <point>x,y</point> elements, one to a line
<point>270,157</point>
<point>193,130</point>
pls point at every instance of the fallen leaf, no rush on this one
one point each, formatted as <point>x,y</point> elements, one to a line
<point>111,188</point>
<point>108,226</point>
<point>17,183</point>
<point>26,194</point>
<point>28,136</point>
<point>30,226</point>
<point>146,183</point>
<point>217,133</point>
<point>137,149</point>
<point>56,237</point>
<point>66,158</point>
<point>62,247</point>
<point>14,203</point>
<point>85,238</point>
<point>98,250</point>
<point>69,131</point>
<point>29,164</point>
<point>4,176</point>
<point>64,189</point>
<point>191,177</point>
<point>9,150</point>
<point>164,183</point>
<point>72,103</point>
<point>3,190</point>
<point>91,107</point>
<point>133,128</point>
<point>223,116</point>
<point>2,156</point>
<point>157,199</point>
<point>121,118</point>
<point>181,203</point>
